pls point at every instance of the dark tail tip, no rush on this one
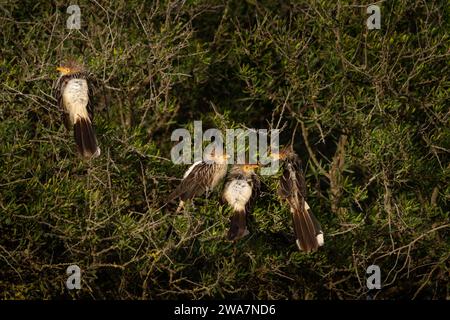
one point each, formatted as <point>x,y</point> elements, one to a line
<point>238,226</point>
<point>85,138</point>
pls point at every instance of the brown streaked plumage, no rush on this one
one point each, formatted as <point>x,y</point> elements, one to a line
<point>201,177</point>
<point>292,189</point>
<point>72,94</point>
<point>240,191</point>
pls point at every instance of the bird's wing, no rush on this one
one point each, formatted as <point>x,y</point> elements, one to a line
<point>293,189</point>
<point>255,183</point>
<point>195,183</point>
<point>292,186</point>
<point>59,89</point>
<point>90,106</point>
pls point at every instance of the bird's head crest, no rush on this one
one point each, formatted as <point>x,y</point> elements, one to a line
<point>70,67</point>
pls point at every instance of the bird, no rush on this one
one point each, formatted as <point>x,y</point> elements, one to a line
<point>240,192</point>
<point>292,189</point>
<point>72,94</point>
<point>201,177</point>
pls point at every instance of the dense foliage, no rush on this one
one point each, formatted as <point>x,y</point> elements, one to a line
<point>371,108</point>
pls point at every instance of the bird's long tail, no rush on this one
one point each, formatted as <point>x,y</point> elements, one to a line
<point>307,229</point>
<point>238,226</point>
<point>85,138</point>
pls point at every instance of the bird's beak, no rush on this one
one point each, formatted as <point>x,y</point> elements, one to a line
<point>63,70</point>
<point>253,166</point>
<point>275,156</point>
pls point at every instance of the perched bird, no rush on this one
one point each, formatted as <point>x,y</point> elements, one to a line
<point>240,191</point>
<point>201,177</point>
<point>72,94</point>
<point>292,189</point>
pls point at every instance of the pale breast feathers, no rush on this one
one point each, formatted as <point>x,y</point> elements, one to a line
<point>238,193</point>
<point>76,98</point>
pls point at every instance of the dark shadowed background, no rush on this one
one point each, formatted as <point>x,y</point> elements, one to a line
<point>371,109</point>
